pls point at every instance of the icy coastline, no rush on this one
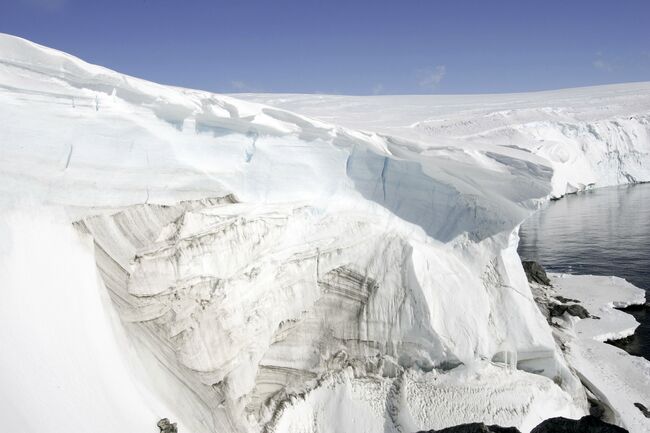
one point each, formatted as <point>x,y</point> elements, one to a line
<point>239,267</point>
<point>618,379</point>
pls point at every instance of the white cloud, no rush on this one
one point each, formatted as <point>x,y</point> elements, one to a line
<point>602,65</point>
<point>431,78</point>
<point>240,86</point>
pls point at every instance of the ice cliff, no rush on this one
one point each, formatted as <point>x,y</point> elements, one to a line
<point>588,136</point>
<point>351,267</point>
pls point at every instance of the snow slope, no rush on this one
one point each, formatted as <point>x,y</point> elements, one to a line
<point>255,256</point>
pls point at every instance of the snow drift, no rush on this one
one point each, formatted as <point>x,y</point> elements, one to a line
<point>271,271</point>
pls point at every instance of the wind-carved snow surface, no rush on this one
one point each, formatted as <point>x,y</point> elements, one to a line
<point>272,272</point>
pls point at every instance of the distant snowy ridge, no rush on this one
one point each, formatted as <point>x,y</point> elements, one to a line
<point>593,136</point>
<point>260,260</point>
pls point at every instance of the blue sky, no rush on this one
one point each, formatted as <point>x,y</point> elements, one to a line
<point>349,47</point>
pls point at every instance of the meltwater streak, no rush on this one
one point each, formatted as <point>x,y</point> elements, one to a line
<point>605,231</point>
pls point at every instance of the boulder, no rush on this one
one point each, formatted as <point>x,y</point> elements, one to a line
<point>166,426</point>
<point>475,427</point>
<point>535,273</point>
<point>586,424</point>
<point>557,310</point>
<point>644,410</point>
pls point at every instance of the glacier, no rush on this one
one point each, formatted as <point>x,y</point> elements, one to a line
<point>284,263</point>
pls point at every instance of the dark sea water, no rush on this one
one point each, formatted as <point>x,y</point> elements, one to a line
<point>605,231</point>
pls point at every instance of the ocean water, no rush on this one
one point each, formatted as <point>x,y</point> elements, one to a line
<point>605,231</point>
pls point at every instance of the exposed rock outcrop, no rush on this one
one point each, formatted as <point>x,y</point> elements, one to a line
<point>476,427</point>
<point>167,426</point>
<point>587,424</point>
<point>535,272</point>
<point>558,310</point>
<point>644,410</point>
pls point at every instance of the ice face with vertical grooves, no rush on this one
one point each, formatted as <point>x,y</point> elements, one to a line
<point>254,302</point>
<point>277,267</point>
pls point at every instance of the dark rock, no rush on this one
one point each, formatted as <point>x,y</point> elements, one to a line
<point>557,310</point>
<point>644,410</point>
<point>475,427</point>
<point>167,427</point>
<point>564,300</point>
<point>535,273</point>
<point>578,310</point>
<point>587,424</point>
<point>597,408</point>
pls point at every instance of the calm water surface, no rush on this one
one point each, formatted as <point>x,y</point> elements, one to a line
<point>601,232</point>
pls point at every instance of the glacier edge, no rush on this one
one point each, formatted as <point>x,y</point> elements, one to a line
<point>268,259</point>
